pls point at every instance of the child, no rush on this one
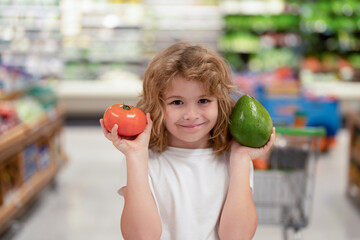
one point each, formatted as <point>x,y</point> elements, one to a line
<point>184,178</point>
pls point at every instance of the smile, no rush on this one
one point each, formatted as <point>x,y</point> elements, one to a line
<point>192,126</point>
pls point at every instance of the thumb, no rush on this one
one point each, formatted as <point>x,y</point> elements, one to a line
<point>145,135</point>
<point>149,124</point>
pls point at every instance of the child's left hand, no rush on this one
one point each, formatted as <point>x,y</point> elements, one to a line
<point>237,148</point>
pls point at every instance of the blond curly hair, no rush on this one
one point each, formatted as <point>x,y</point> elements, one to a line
<point>192,62</point>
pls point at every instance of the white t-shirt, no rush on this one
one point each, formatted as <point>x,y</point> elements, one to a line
<point>189,187</point>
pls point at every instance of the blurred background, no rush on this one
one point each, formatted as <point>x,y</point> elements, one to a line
<point>63,62</point>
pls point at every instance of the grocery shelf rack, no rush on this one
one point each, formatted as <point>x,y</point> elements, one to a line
<point>18,186</point>
<point>353,184</point>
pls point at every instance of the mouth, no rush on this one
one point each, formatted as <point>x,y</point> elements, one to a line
<point>192,126</point>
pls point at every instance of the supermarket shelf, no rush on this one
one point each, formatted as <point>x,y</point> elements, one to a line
<point>28,191</point>
<point>340,90</point>
<point>106,60</point>
<point>100,8</point>
<point>355,155</point>
<point>12,143</point>
<point>353,184</point>
<point>9,141</point>
<point>22,135</point>
<point>347,93</point>
<point>16,9</point>
<point>13,52</point>
<point>11,95</point>
<point>252,7</point>
<point>86,97</point>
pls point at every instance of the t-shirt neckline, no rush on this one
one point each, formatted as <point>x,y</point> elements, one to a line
<point>186,151</point>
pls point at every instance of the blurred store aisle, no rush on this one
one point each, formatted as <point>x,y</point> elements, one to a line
<point>85,204</point>
<point>333,217</point>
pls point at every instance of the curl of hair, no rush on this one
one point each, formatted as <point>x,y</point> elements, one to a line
<point>194,63</point>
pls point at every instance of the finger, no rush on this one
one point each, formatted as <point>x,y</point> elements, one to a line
<point>145,135</point>
<point>114,133</point>
<point>149,123</point>
<point>270,141</point>
<point>273,134</point>
<point>117,142</point>
<point>101,121</point>
<point>106,133</point>
<point>102,126</point>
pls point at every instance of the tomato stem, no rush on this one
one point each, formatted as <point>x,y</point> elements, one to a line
<point>126,107</point>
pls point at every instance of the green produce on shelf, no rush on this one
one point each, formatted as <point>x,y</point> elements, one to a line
<point>261,23</point>
<point>44,95</point>
<point>235,61</point>
<point>354,59</point>
<point>345,7</point>
<point>330,16</point>
<point>28,109</point>
<point>270,59</point>
<point>240,42</point>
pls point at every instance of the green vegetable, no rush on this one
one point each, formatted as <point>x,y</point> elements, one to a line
<point>250,123</point>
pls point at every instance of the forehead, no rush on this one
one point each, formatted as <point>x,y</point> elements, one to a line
<point>184,86</point>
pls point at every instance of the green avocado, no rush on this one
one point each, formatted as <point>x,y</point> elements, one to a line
<point>250,123</point>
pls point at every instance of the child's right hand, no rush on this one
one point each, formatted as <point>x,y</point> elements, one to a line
<point>139,145</point>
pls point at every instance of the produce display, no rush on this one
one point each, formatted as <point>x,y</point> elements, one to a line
<point>262,42</point>
<point>29,109</point>
<point>30,154</point>
<point>330,30</point>
<point>10,177</point>
<point>8,116</point>
<point>13,79</point>
<point>313,37</point>
<point>131,120</point>
<point>30,38</point>
<point>250,123</point>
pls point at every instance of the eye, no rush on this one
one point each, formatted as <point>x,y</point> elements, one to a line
<point>176,102</point>
<point>204,100</point>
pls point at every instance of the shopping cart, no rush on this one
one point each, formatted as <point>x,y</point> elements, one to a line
<point>283,193</point>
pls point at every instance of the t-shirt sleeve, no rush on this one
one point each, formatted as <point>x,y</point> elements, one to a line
<point>123,176</point>
<point>251,175</point>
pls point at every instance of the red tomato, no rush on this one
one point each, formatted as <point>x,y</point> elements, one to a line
<point>131,121</point>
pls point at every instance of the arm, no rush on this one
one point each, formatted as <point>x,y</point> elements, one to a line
<point>140,218</point>
<point>238,219</point>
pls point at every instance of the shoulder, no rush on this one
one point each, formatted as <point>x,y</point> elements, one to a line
<point>153,154</point>
<point>155,158</point>
<point>225,156</point>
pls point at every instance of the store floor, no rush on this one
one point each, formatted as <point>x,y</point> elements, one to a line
<point>85,206</point>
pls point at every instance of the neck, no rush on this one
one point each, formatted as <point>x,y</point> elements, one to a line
<point>203,143</point>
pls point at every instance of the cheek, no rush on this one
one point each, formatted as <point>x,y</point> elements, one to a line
<point>169,123</point>
<point>214,116</point>
<point>169,116</point>
<point>214,112</point>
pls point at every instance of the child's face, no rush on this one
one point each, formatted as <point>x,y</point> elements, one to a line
<point>189,114</point>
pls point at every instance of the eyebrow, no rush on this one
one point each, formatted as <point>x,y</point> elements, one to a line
<point>175,96</point>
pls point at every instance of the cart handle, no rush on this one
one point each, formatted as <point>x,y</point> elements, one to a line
<point>308,131</point>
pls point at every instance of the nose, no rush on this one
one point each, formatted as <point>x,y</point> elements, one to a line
<point>191,112</point>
